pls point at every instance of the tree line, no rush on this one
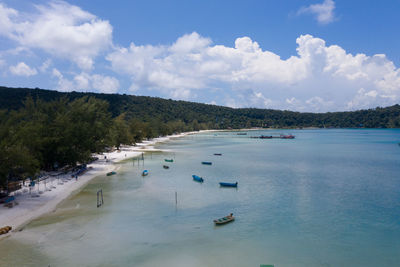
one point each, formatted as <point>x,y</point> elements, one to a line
<point>46,135</point>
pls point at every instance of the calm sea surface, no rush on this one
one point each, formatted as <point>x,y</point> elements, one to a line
<point>327,198</point>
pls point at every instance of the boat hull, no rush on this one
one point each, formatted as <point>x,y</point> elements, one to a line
<point>228,184</point>
<point>224,220</point>
<point>197,178</point>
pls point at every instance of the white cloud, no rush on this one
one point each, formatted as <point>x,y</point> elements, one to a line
<point>87,82</point>
<point>318,78</point>
<point>105,84</point>
<point>60,29</point>
<point>323,12</point>
<point>21,69</point>
<point>46,64</point>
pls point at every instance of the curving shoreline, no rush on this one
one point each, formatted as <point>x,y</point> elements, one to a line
<point>30,208</point>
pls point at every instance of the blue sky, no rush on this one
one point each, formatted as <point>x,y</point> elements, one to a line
<point>320,55</point>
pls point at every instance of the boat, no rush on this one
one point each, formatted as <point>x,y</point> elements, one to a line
<point>206,163</point>
<point>197,178</point>
<point>222,184</point>
<point>111,173</point>
<point>225,219</point>
<point>169,160</point>
<point>266,137</point>
<point>288,136</point>
<point>241,134</point>
<point>217,154</point>
<point>165,166</point>
<point>145,173</point>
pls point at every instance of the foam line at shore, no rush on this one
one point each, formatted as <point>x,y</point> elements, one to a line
<point>53,193</point>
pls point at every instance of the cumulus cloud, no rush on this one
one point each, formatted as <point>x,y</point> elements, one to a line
<point>60,29</point>
<point>86,82</point>
<point>323,12</point>
<point>21,69</point>
<point>318,78</point>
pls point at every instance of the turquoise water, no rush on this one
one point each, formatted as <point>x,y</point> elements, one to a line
<point>327,198</point>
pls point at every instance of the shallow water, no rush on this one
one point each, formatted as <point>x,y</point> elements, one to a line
<point>326,198</point>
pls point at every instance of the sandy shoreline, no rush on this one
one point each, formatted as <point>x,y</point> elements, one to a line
<point>46,197</point>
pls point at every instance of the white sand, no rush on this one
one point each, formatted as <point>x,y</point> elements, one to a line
<point>30,208</point>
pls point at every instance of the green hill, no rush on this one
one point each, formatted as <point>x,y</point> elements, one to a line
<point>149,109</point>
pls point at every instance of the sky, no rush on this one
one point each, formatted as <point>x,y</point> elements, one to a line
<point>299,55</point>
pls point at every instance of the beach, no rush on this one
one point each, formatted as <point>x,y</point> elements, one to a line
<point>45,198</point>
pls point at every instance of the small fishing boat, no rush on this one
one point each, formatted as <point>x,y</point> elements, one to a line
<point>266,137</point>
<point>145,173</point>
<point>289,136</point>
<point>217,154</point>
<point>206,163</point>
<point>225,219</point>
<point>169,160</point>
<point>222,184</point>
<point>165,166</point>
<point>111,173</point>
<point>197,178</point>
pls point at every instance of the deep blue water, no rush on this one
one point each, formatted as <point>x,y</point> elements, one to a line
<point>329,197</point>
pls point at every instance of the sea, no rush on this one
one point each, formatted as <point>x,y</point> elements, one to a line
<point>328,197</point>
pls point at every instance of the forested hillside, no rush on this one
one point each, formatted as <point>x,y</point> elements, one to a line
<point>196,115</point>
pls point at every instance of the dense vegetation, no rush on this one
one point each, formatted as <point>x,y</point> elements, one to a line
<point>44,129</point>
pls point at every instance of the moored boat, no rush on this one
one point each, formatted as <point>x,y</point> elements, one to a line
<point>145,173</point>
<point>197,178</point>
<point>111,173</point>
<point>286,136</point>
<point>222,184</point>
<point>165,166</point>
<point>206,163</point>
<point>225,219</point>
<point>217,154</point>
<point>169,160</point>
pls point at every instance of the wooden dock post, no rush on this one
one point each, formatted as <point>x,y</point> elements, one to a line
<point>100,200</point>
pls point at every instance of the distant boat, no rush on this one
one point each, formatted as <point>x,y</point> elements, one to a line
<point>206,163</point>
<point>197,178</point>
<point>217,154</point>
<point>165,166</point>
<point>228,184</point>
<point>288,136</point>
<point>225,219</point>
<point>145,173</point>
<point>266,137</point>
<point>241,134</point>
<point>111,173</point>
<point>169,160</point>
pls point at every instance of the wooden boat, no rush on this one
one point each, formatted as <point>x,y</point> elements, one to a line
<point>222,184</point>
<point>165,166</point>
<point>289,136</point>
<point>217,154</point>
<point>169,160</point>
<point>206,163</point>
<point>225,219</point>
<point>197,178</point>
<point>111,173</point>
<point>145,173</point>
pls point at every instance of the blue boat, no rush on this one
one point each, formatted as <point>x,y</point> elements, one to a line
<point>206,162</point>
<point>145,173</point>
<point>228,184</point>
<point>111,173</point>
<point>197,178</point>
